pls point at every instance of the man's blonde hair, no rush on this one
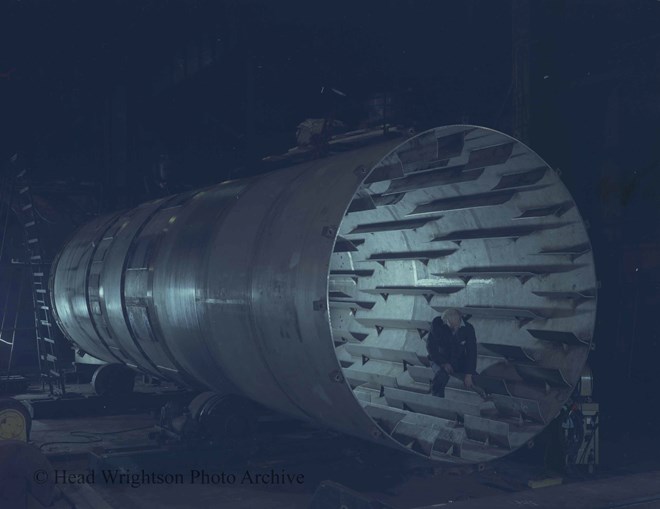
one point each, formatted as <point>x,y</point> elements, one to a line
<point>451,313</point>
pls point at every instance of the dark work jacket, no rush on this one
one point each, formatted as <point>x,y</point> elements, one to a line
<point>459,350</point>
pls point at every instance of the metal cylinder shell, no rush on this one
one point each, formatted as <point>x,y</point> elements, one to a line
<point>224,288</point>
<point>311,289</point>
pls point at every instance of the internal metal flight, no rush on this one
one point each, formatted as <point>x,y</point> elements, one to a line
<point>311,289</point>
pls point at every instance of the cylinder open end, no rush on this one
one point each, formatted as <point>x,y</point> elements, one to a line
<point>467,218</point>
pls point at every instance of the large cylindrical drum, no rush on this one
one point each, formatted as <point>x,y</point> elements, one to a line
<point>311,289</point>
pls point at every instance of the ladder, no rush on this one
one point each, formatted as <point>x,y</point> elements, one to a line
<point>49,367</point>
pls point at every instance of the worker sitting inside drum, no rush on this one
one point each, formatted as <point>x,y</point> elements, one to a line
<point>452,349</point>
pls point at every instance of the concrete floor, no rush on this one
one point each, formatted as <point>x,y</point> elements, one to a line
<point>67,441</point>
<point>641,491</point>
<point>375,473</point>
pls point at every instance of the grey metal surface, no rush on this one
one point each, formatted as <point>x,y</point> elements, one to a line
<point>311,289</point>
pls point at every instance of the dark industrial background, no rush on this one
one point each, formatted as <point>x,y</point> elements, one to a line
<point>114,103</point>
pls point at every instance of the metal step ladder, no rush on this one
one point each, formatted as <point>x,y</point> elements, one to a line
<point>49,367</point>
